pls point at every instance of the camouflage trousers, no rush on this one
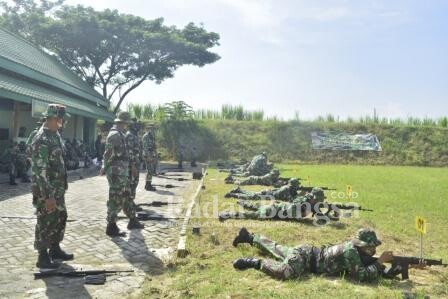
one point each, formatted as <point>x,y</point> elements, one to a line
<point>151,167</point>
<point>119,198</point>
<point>134,182</point>
<point>250,195</point>
<point>290,262</point>
<point>50,228</point>
<point>258,180</point>
<point>277,211</point>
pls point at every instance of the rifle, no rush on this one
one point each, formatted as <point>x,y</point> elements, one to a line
<point>335,208</point>
<point>400,265</point>
<point>76,273</point>
<point>309,189</point>
<point>168,178</point>
<point>347,207</point>
<point>287,179</point>
<point>168,186</point>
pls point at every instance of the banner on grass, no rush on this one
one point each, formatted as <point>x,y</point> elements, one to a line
<point>345,141</point>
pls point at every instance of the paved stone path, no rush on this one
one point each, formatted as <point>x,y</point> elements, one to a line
<point>145,251</point>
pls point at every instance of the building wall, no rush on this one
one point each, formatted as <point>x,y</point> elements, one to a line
<point>75,126</point>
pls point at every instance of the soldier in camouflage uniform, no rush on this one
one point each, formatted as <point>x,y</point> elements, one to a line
<point>49,185</point>
<point>133,144</point>
<point>116,166</point>
<point>284,193</point>
<point>33,134</point>
<point>259,166</point>
<point>266,180</point>
<point>9,157</point>
<point>345,259</point>
<point>180,155</point>
<point>150,156</point>
<point>22,162</point>
<point>298,208</point>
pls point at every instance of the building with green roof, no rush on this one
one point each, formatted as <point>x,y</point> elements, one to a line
<point>30,79</point>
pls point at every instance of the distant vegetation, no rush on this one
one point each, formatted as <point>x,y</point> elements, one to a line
<point>239,113</point>
<point>235,133</point>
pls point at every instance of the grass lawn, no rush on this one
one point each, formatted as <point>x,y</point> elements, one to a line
<point>396,194</point>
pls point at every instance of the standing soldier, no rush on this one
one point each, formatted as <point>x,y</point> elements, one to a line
<point>116,166</point>
<point>33,134</point>
<point>22,162</point>
<point>133,144</point>
<point>10,155</point>
<point>150,156</point>
<point>49,185</point>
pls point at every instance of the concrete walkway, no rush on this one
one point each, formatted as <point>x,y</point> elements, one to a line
<point>144,251</point>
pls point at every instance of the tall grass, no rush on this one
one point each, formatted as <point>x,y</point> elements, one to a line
<point>229,112</point>
<point>239,113</point>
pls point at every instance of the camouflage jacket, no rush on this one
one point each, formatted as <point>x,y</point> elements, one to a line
<point>268,179</point>
<point>149,145</point>
<point>48,167</point>
<point>345,259</point>
<point>30,140</point>
<point>285,193</point>
<point>133,145</point>
<point>258,166</point>
<point>116,156</point>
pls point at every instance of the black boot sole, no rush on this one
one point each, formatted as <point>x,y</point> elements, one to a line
<point>66,258</point>
<point>120,234</point>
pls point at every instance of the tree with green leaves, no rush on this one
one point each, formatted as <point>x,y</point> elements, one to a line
<point>112,51</point>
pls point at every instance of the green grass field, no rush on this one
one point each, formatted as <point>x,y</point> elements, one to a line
<point>396,194</point>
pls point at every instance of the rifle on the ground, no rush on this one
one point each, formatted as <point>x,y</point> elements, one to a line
<point>157,204</point>
<point>168,178</point>
<point>400,265</point>
<point>168,186</point>
<point>76,273</point>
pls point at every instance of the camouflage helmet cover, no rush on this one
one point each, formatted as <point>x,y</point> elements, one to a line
<point>55,110</point>
<point>123,117</point>
<point>366,237</point>
<point>293,182</point>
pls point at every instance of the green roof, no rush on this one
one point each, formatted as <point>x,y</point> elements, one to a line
<point>25,91</point>
<point>35,67</point>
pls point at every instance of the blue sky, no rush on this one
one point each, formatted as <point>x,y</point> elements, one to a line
<point>316,57</point>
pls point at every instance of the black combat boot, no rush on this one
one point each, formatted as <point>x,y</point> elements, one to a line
<point>112,230</point>
<point>44,261</point>
<point>135,224</point>
<point>57,253</point>
<point>243,237</point>
<point>247,263</point>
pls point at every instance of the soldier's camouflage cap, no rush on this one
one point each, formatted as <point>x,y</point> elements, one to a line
<point>366,237</point>
<point>123,117</point>
<point>294,182</point>
<point>55,110</point>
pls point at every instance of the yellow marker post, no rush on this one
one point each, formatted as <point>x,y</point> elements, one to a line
<point>309,181</point>
<point>349,191</point>
<point>420,225</point>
